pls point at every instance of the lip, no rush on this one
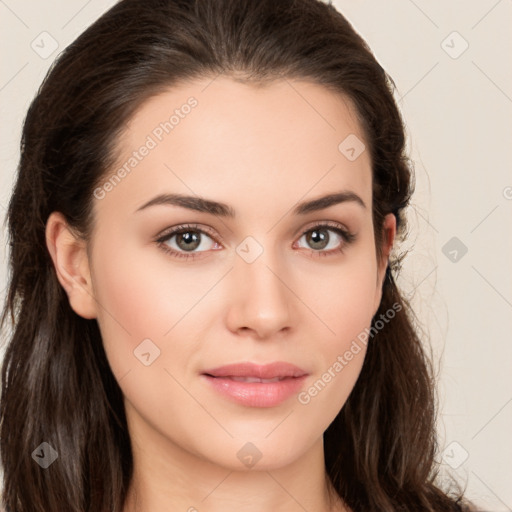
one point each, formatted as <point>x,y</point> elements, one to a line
<point>256,394</point>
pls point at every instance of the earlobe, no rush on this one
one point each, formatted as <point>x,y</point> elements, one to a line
<point>71,263</point>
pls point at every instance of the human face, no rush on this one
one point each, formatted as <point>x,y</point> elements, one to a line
<point>257,286</point>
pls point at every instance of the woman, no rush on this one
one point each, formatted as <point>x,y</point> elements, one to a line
<point>203,295</point>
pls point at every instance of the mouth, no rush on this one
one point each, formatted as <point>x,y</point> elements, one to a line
<point>250,379</point>
<point>256,385</point>
<point>277,370</point>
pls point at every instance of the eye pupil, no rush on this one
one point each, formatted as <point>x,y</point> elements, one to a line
<point>191,240</point>
<point>318,236</point>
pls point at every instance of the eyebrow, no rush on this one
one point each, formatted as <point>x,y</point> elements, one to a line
<point>200,204</point>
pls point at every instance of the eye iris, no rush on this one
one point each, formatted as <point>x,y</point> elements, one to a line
<point>190,238</point>
<point>318,236</point>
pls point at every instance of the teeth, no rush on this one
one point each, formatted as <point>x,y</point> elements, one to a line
<point>255,379</point>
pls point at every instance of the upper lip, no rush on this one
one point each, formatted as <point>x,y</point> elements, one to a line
<point>267,371</point>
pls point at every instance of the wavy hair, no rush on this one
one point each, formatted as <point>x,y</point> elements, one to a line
<point>57,385</point>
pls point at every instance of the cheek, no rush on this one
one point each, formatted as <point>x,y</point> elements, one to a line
<point>136,304</point>
<point>341,296</point>
<point>344,309</point>
<point>151,311</point>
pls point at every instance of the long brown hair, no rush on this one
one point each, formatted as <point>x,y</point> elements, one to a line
<point>57,386</point>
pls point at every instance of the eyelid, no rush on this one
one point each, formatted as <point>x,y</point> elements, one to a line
<point>317,223</point>
<point>182,227</point>
<point>168,232</point>
<point>214,234</point>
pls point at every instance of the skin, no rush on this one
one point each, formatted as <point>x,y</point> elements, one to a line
<point>260,150</point>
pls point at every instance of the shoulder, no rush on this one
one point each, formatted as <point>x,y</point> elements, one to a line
<point>469,507</point>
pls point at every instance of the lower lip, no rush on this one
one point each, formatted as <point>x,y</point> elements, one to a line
<point>257,394</point>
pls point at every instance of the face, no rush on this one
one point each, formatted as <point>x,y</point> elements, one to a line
<point>260,278</point>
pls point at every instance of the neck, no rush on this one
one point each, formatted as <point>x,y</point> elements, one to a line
<point>168,478</point>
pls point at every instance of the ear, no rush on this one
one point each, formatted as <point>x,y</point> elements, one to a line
<point>389,233</point>
<point>71,262</point>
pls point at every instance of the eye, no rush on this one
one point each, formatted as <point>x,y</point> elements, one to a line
<point>319,240</point>
<point>188,239</point>
<point>185,240</point>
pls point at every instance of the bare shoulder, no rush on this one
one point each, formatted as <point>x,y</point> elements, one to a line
<point>467,506</point>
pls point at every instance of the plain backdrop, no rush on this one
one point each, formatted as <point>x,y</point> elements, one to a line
<point>451,65</point>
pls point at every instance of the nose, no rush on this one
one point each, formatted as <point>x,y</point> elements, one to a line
<point>260,299</point>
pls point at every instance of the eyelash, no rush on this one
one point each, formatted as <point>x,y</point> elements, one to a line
<point>347,238</point>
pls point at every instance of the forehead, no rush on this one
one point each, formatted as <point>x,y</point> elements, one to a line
<point>283,141</point>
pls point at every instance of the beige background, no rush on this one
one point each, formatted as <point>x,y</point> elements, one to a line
<point>457,103</point>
